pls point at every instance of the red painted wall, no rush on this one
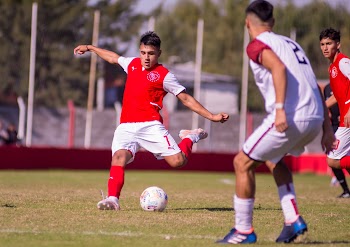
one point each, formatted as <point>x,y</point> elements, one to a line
<point>64,158</point>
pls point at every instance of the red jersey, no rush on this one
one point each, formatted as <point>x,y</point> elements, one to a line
<point>340,85</point>
<point>144,93</point>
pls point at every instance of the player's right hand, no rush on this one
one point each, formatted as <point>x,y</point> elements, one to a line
<point>80,49</point>
<point>328,140</point>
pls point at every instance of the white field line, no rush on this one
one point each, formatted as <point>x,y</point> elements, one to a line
<point>227,181</point>
<point>121,234</point>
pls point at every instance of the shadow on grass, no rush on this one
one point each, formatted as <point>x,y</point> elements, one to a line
<point>8,205</point>
<point>207,209</point>
<point>224,209</point>
<point>324,243</point>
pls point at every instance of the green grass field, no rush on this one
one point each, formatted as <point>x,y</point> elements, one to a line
<point>58,208</point>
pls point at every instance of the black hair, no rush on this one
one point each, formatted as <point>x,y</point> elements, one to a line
<point>150,38</point>
<point>331,34</point>
<point>262,9</point>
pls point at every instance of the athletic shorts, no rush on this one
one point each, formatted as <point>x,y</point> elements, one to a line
<point>267,144</point>
<point>343,144</point>
<point>152,136</point>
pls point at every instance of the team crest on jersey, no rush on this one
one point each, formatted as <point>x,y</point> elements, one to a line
<point>334,72</point>
<point>153,76</point>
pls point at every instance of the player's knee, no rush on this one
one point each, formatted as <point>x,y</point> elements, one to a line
<point>176,161</point>
<point>120,159</point>
<point>333,163</point>
<point>242,163</point>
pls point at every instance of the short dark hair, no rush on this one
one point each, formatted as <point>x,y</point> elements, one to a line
<point>330,33</point>
<point>261,8</point>
<point>150,38</point>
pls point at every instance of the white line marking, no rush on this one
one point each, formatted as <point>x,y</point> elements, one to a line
<point>227,181</point>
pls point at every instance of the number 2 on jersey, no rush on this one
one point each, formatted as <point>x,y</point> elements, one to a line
<point>298,53</point>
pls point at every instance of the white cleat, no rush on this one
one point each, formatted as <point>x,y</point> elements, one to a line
<point>110,203</point>
<point>195,135</point>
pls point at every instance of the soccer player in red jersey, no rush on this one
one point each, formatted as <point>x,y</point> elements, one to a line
<point>141,124</point>
<point>296,114</point>
<point>334,116</point>
<point>339,76</point>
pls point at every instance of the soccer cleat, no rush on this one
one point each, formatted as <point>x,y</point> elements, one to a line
<point>108,203</point>
<point>195,135</point>
<point>344,195</point>
<point>291,231</point>
<point>235,237</point>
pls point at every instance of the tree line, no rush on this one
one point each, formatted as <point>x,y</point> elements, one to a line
<point>63,24</point>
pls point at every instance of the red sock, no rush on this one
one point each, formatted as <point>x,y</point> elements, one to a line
<point>115,181</point>
<point>345,162</point>
<point>186,146</point>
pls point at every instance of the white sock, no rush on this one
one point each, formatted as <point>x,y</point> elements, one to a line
<point>115,199</point>
<point>288,202</point>
<point>243,214</point>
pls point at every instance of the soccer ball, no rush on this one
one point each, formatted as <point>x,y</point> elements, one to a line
<point>153,199</point>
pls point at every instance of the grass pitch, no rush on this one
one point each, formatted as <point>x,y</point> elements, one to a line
<point>58,208</point>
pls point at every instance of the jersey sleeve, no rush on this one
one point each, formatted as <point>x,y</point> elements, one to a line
<point>172,85</point>
<point>255,49</point>
<point>344,66</point>
<point>124,62</point>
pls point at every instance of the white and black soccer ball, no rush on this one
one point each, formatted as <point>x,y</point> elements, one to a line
<point>153,199</point>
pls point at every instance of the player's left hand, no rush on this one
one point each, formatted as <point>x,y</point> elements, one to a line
<point>221,117</point>
<point>281,123</point>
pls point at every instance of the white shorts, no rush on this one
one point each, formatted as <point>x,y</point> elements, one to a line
<point>343,144</point>
<point>152,136</point>
<point>266,143</point>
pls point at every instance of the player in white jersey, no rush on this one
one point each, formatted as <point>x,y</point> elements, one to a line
<point>295,116</point>
<point>141,124</point>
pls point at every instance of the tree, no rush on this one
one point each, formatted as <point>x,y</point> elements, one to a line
<point>224,29</point>
<point>62,25</point>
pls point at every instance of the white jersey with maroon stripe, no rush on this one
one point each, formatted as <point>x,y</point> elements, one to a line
<point>303,101</point>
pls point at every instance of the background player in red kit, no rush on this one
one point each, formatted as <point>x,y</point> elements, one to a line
<point>140,122</point>
<point>339,77</point>
<point>334,116</point>
<point>296,114</point>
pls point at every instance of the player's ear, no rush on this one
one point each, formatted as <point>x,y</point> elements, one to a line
<point>159,52</point>
<point>247,23</point>
<point>338,45</point>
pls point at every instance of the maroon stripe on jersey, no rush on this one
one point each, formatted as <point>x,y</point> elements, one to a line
<point>262,136</point>
<point>254,50</point>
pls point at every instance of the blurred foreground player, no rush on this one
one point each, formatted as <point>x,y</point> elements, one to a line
<point>295,116</point>
<point>140,122</point>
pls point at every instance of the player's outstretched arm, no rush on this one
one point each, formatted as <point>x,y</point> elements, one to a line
<point>106,55</point>
<point>197,107</point>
